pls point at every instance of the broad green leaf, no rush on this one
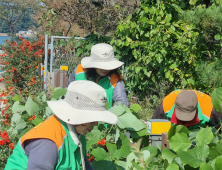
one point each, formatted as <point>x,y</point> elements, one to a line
<point>99,154</point>
<point>217,37</point>
<point>118,110</point>
<point>17,98</point>
<point>177,129</point>
<point>20,124</point>
<point>216,99</point>
<point>138,134</point>
<point>41,98</point>
<point>151,22</point>
<point>216,151</point>
<point>123,152</point>
<point>59,93</point>
<point>37,121</point>
<point>92,138</point>
<point>167,75</point>
<point>135,107</point>
<point>117,135</point>
<point>194,157</point>
<point>177,160</point>
<point>111,148</point>
<point>173,167</point>
<point>15,117</point>
<point>124,149</point>
<point>168,155</point>
<point>30,106</point>
<point>172,66</point>
<point>106,163</point>
<point>205,166</point>
<point>120,165</point>
<point>204,136</point>
<point>129,159</point>
<point>130,122</point>
<point>16,108</point>
<point>218,164</point>
<point>179,141</point>
<point>153,152</point>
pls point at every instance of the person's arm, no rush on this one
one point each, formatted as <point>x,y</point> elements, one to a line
<point>42,154</point>
<point>71,76</point>
<point>215,118</point>
<point>119,93</point>
<point>87,163</point>
<point>159,113</point>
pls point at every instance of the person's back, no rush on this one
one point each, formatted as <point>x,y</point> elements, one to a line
<point>190,108</point>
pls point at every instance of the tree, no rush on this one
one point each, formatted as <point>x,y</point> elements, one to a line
<point>100,16</point>
<point>13,11</point>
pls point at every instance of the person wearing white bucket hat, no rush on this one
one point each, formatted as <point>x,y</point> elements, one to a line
<point>102,67</point>
<point>59,142</point>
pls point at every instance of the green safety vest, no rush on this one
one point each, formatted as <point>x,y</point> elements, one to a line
<point>204,107</point>
<point>57,131</point>
<point>108,82</point>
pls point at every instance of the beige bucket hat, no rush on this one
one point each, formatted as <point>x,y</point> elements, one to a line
<point>186,105</point>
<point>102,57</point>
<point>84,102</point>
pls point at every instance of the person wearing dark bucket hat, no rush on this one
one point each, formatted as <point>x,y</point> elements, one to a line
<point>59,142</point>
<point>190,108</point>
<point>102,67</point>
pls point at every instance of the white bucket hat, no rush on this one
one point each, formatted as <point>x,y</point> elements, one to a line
<point>84,102</point>
<point>102,57</point>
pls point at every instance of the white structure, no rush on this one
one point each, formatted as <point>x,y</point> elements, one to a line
<point>27,32</point>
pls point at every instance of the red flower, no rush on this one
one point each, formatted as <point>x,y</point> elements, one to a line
<point>103,142</point>
<point>91,159</point>
<point>32,118</point>
<point>11,146</point>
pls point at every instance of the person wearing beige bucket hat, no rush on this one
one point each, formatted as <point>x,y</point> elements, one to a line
<point>59,142</point>
<point>102,67</point>
<point>190,108</point>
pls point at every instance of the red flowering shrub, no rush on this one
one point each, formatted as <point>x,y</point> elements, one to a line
<point>21,61</point>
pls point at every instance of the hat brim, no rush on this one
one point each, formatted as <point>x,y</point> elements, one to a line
<point>87,62</point>
<point>185,116</point>
<point>73,116</point>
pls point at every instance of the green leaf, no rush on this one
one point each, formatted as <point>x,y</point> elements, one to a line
<point>129,159</point>
<point>204,136</point>
<point>112,148</point>
<point>167,74</point>
<point>173,167</point>
<point>138,134</point>
<point>173,66</point>
<point>92,138</point>
<point>168,155</point>
<point>99,154</point>
<point>130,122</point>
<point>217,37</point>
<point>124,149</point>
<point>18,122</point>
<point>31,107</point>
<point>218,164</point>
<point>37,121</point>
<point>17,98</point>
<point>216,99</point>
<point>120,165</point>
<point>205,166</point>
<point>194,157</point>
<point>135,107</point>
<point>118,110</point>
<point>159,58</point>
<point>106,163</point>
<point>117,135</point>
<point>16,108</point>
<point>216,151</point>
<point>177,129</point>
<point>179,141</point>
<point>59,93</point>
<point>151,22</point>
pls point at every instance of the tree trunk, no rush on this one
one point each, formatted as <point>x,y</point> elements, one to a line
<point>11,31</point>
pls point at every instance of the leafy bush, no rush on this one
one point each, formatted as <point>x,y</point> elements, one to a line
<point>158,47</point>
